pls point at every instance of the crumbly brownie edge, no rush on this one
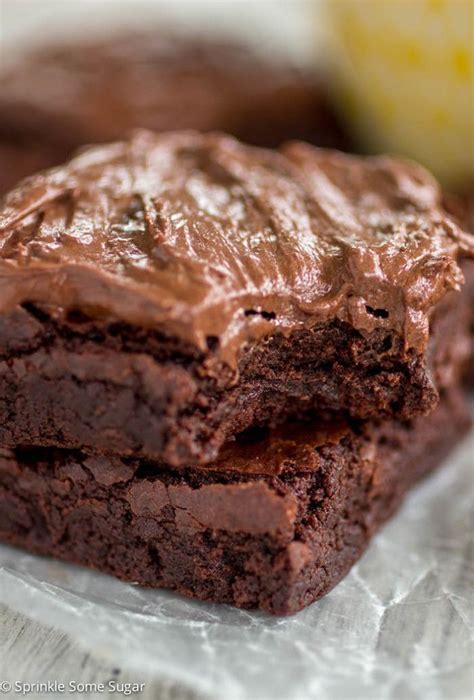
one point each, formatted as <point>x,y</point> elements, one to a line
<point>131,392</point>
<point>277,543</point>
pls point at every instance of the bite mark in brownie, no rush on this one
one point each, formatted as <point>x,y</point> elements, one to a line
<point>274,524</point>
<point>259,285</point>
<point>130,391</point>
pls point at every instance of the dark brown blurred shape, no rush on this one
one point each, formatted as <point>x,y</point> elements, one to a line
<point>59,98</point>
<point>461,206</point>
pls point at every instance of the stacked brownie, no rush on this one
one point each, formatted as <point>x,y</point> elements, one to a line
<point>222,367</point>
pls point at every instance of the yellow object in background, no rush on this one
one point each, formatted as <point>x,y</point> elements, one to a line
<point>404,75</point>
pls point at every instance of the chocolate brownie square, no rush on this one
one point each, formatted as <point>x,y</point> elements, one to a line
<point>162,294</point>
<point>274,524</point>
<point>58,98</point>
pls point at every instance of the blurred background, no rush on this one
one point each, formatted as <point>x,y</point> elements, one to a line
<point>397,73</point>
<point>287,25</point>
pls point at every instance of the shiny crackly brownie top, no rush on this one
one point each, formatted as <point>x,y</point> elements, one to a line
<point>88,92</point>
<point>200,236</point>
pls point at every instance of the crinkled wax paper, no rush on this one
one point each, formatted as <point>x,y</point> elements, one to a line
<point>399,626</point>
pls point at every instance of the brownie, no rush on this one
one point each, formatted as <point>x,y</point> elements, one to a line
<point>461,206</point>
<point>468,269</point>
<point>58,98</point>
<point>162,294</point>
<point>274,524</point>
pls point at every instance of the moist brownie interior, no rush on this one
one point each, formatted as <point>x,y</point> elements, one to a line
<point>137,392</point>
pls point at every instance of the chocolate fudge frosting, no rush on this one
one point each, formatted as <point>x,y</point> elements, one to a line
<point>202,237</point>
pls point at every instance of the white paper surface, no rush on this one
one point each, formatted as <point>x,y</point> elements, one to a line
<point>399,626</point>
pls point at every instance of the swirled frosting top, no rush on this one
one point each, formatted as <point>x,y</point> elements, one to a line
<point>200,236</point>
